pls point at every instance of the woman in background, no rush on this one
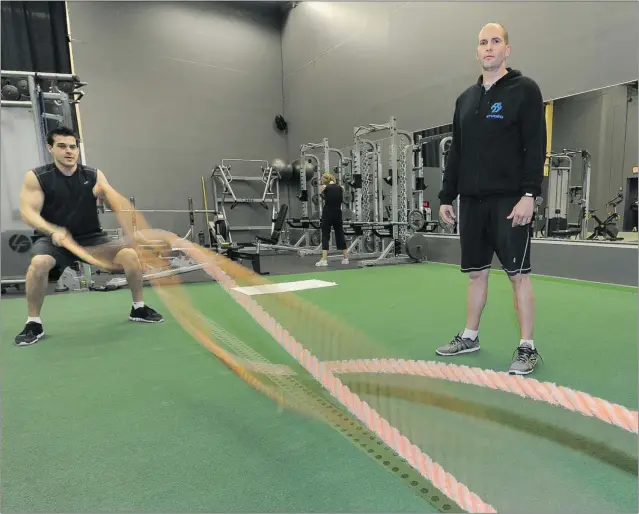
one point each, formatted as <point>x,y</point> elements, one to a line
<point>333,196</point>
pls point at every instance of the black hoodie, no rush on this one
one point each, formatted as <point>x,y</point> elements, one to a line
<point>499,140</point>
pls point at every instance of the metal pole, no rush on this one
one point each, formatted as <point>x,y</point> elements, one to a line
<point>37,120</point>
<point>246,160</point>
<point>303,172</point>
<point>191,219</point>
<point>356,169</point>
<point>379,185</point>
<point>394,187</point>
<point>39,75</point>
<point>16,103</point>
<point>303,188</point>
<point>586,192</point>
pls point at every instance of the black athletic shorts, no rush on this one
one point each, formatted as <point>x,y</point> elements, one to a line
<point>64,258</point>
<point>485,230</point>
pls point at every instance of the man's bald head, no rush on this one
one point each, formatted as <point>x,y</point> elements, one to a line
<point>495,26</point>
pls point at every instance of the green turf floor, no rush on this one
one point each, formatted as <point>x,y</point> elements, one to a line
<point>109,416</point>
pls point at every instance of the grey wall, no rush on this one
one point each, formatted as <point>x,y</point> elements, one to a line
<point>603,122</point>
<point>19,154</point>
<point>175,87</point>
<point>355,63</point>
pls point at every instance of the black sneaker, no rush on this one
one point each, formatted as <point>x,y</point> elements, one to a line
<point>145,315</point>
<point>30,335</point>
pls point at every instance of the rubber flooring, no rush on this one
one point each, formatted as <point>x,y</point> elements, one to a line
<point>104,415</point>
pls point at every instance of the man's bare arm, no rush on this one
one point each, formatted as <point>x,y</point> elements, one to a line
<point>101,188</point>
<point>31,201</point>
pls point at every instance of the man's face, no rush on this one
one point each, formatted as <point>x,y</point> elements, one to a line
<point>65,151</point>
<point>492,50</point>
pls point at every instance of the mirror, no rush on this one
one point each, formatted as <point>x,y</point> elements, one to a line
<point>589,188</point>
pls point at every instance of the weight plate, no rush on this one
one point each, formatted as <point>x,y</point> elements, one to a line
<point>10,93</point>
<point>416,247</point>
<point>23,87</point>
<point>416,220</point>
<point>314,182</point>
<point>369,244</point>
<point>315,199</point>
<point>316,238</point>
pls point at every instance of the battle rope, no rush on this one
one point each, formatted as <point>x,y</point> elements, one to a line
<point>576,401</point>
<point>429,469</point>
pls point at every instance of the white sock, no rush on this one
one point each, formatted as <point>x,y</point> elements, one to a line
<point>34,320</point>
<point>470,334</point>
<point>528,342</point>
<point>138,305</point>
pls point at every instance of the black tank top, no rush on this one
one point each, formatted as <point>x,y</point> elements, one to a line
<point>68,200</point>
<point>333,197</point>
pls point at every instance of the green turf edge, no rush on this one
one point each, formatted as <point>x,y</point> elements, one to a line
<point>560,280</point>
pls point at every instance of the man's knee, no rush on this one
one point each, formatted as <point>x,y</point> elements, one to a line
<point>517,279</point>
<point>41,265</point>
<point>479,276</point>
<point>128,259</point>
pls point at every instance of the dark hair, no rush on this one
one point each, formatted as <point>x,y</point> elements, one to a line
<point>61,131</point>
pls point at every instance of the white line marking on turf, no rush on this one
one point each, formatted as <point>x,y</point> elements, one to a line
<point>284,287</point>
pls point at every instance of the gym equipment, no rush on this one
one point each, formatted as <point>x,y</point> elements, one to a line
<point>538,219</point>
<point>16,257</point>
<point>419,218</point>
<point>309,222</point>
<point>75,278</point>
<point>561,193</point>
<point>368,206</point>
<point>630,220</point>
<point>190,211</point>
<point>40,106</point>
<point>607,229</point>
<point>284,170</point>
<point>15,248</point>
<point>416,247</point>
<point>444,150</point>
<point>221,174</point>
<point>252,250</point>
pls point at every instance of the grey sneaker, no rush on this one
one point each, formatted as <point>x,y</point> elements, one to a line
<point>459,345</point>
<point>525,360</point>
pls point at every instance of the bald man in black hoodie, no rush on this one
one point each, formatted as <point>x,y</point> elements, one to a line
<point>496,165</point>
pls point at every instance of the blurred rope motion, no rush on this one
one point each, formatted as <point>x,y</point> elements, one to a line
<point>326,348</point>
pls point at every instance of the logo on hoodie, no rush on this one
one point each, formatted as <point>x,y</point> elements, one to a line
<point>495,109</point>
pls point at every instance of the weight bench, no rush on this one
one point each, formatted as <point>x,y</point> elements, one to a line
<point>240,251</point>
<point>278,225</point>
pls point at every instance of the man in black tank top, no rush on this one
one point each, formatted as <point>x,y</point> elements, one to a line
<point>59,200</point>
<point>333,196</point>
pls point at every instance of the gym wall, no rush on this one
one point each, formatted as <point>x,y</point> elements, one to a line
<point>347,64</point>
<point>175,87</point>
